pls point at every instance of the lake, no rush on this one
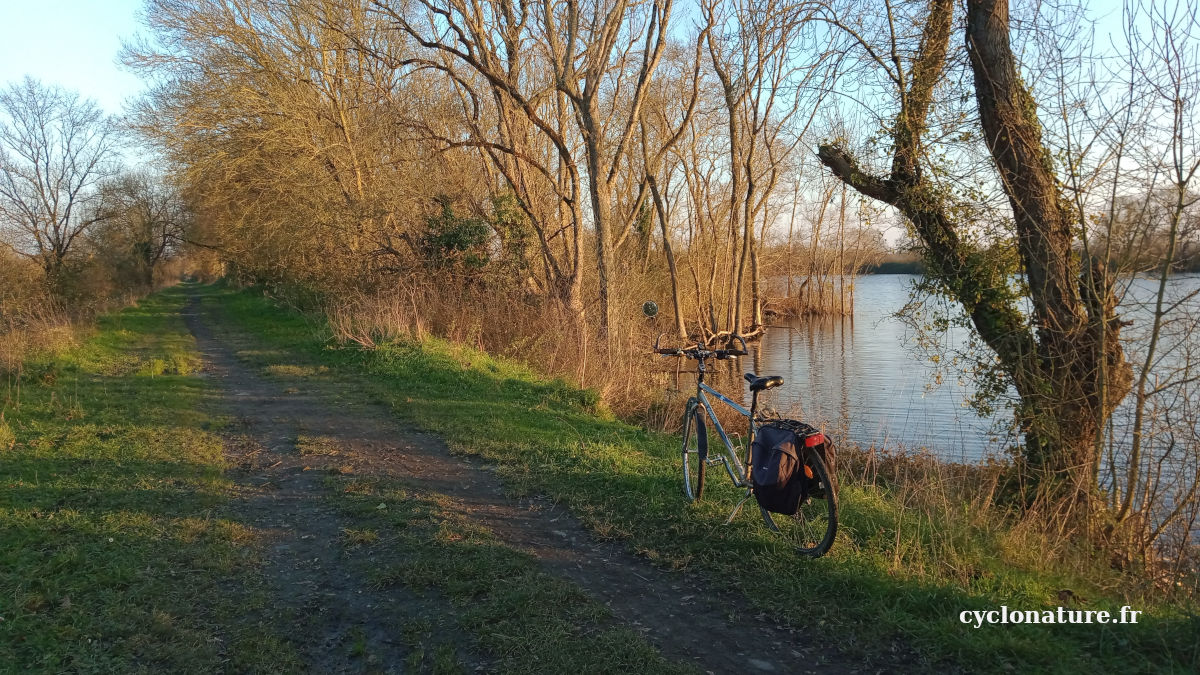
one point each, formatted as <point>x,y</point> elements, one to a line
<point>866,378</point>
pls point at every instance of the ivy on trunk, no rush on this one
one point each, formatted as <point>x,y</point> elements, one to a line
<point>1065,359</point>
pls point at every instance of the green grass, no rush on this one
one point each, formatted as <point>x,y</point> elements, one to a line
<point>894,575</point>
<point>114,554</point>
<point>526,620</point>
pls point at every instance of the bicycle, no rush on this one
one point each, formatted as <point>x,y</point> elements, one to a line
<point>813,527</point>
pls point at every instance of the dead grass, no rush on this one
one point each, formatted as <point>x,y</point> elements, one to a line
<point>360,537</point>
<point>530,330</point>
<point>7,438</point>
<point>945,517</point>
<point>317,445</point>
<point>46,332</point>
<point>959,512</point>
<point>287,370</point>
<point>35,324</point>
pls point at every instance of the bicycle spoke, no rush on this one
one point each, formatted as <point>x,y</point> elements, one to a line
<point>694,452</point>
<point>812,528</point>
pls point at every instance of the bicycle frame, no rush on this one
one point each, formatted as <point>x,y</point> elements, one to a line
<point>810,523</point>
<point>738,471</point>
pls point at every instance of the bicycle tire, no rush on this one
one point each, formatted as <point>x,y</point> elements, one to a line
<point>694,450</point>
<point>814,526</point>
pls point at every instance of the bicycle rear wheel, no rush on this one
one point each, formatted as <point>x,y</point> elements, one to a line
<point>695,450</point>
<point>814,525</point>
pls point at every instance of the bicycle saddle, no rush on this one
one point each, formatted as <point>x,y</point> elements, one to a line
<point>765,382</point>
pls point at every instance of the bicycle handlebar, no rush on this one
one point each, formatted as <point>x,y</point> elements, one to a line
<point>698,352</point>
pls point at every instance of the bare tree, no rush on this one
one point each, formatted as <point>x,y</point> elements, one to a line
<point>521,127</point>
<point>1066,362</point>
<point>1162,41</point>
<point>661,131</point>
<point>55,148</point>
<point>147,223</point>
<point>286,132</point>
<point>756,62</point>
<point>601,59</point>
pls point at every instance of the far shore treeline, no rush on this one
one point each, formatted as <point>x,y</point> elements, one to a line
<point>911,263</point>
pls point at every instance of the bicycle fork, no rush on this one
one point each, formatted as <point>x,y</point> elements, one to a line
<point>739,473</point>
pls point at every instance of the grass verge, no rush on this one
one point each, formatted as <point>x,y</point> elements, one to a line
<point>526,620</point>
<point>893,578</point>
<point>114,555</point>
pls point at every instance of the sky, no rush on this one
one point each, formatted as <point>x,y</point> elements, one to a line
<point>72,43</point>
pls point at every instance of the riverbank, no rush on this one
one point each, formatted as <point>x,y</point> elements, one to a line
<point>911,555</point>
<point>906,557</point>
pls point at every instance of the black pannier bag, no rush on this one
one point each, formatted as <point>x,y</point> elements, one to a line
<point>778,474</point>
<point>781,480</point>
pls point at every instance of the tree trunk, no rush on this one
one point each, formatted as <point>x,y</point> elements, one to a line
<point>756,315</point>
<point>842,254</point>
<point>601,212</point>
<point>791,227</point>
<point>666,237</point>
<point>54,265</point>
<point>743,259</point>
<point>1054,363</point>
<point>1065,393</point>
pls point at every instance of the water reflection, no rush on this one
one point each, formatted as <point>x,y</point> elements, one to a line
<point>865,376</point>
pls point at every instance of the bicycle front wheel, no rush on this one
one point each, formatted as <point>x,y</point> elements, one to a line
<point>695,450</point>
<point>814,525</point>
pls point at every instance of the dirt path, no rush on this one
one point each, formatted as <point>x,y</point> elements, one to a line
<point>310,569</point>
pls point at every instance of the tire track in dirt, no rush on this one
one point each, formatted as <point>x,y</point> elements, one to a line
<point>675,611</point>
<point>341,622</point>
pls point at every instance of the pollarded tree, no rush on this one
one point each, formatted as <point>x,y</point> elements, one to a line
<point>55,148</point>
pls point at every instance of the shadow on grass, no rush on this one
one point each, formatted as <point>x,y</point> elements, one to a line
<point>558,629</point>
<point>115,556</point>
<point>623,482</point>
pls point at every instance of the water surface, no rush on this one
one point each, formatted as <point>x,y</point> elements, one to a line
<point>866,376</point>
